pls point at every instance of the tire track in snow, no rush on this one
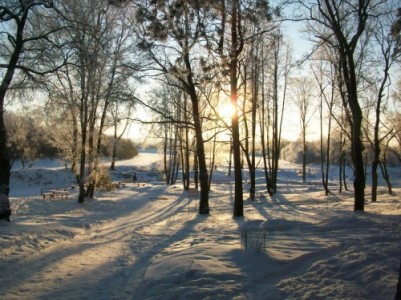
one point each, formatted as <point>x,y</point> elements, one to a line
<point>77,267</point>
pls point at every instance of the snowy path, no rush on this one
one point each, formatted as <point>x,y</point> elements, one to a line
<point>96,260</point>
<point>148,243</point>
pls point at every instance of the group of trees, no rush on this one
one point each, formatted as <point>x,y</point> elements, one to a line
<point>86,57</point>
<point>235,50</point>
<point>29,139</point>
<point>78,56</point>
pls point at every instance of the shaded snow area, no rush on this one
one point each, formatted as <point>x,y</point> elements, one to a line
<point>147,242</point>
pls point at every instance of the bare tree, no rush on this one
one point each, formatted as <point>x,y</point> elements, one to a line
<point>303,95</point>
<point>97,37</point>
<point>327,94</point>
<point>182,24</point>
<point>234,16</point>
<point>118,116</point>
<point>250,104</point>
<point>236,46</point>
<point>385,43</point>
<point>343,25</point>
<point>19,36</point>
<point>276,64</point>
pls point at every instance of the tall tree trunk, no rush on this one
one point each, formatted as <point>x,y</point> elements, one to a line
<point>91,159</point>
<point>356,133</point>
<point>252,172</point>
<point>376,140</point>
<point>262,138</point>
<point>238,194</point>
<point>277,118</point>
<point>83,111</point>
<point>200,147</point>
<point>5,162</point>
<point>185,149</point>
<point>200,151</point>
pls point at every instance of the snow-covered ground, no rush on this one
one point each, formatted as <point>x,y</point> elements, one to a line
<point>147,242</point>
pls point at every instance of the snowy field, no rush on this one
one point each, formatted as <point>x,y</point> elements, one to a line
<point>147,242</point>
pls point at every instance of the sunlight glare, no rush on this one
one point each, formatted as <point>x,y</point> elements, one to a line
<point>226,111</point>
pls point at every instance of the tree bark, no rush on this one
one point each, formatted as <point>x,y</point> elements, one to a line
<point>356,132</point>
<point>238,193</point>
<point>200,147</point>
<point>200,151</point>
<point>5,162</point>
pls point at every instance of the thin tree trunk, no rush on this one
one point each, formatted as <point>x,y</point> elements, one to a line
<point>74,144</point>
<point>114,149</point>
<point>196,170</point>
<point>398,292</point>
<point>230,159</point>
<point>186,169</point>
<point>81,196</point>
<point>252,172</point>
<point>344,175</point>
<point>212,162</point>
<point>340,171</point>
<point>375,164</point>
<point>165,144</point>
<point>262,139</point>
<point>386,176</point>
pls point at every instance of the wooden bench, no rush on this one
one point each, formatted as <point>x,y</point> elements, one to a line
<point>56,194</point>
<point>57,188</point>
<point>48,195</point>
<point>118,184</point>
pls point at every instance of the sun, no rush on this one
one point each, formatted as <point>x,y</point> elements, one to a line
<point>226,111</point>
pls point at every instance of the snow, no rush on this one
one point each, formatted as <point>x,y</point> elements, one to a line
<point>147,242</point>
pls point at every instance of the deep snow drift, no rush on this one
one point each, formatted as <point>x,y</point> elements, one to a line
<point>147,242</point>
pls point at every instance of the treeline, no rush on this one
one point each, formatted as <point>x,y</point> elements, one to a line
<point>292,152</point>
<point>29,140</point>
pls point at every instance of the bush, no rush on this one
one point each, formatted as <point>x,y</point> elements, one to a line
<point>125,148</point>
<point>104,180</point>
<point>292,152</point>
